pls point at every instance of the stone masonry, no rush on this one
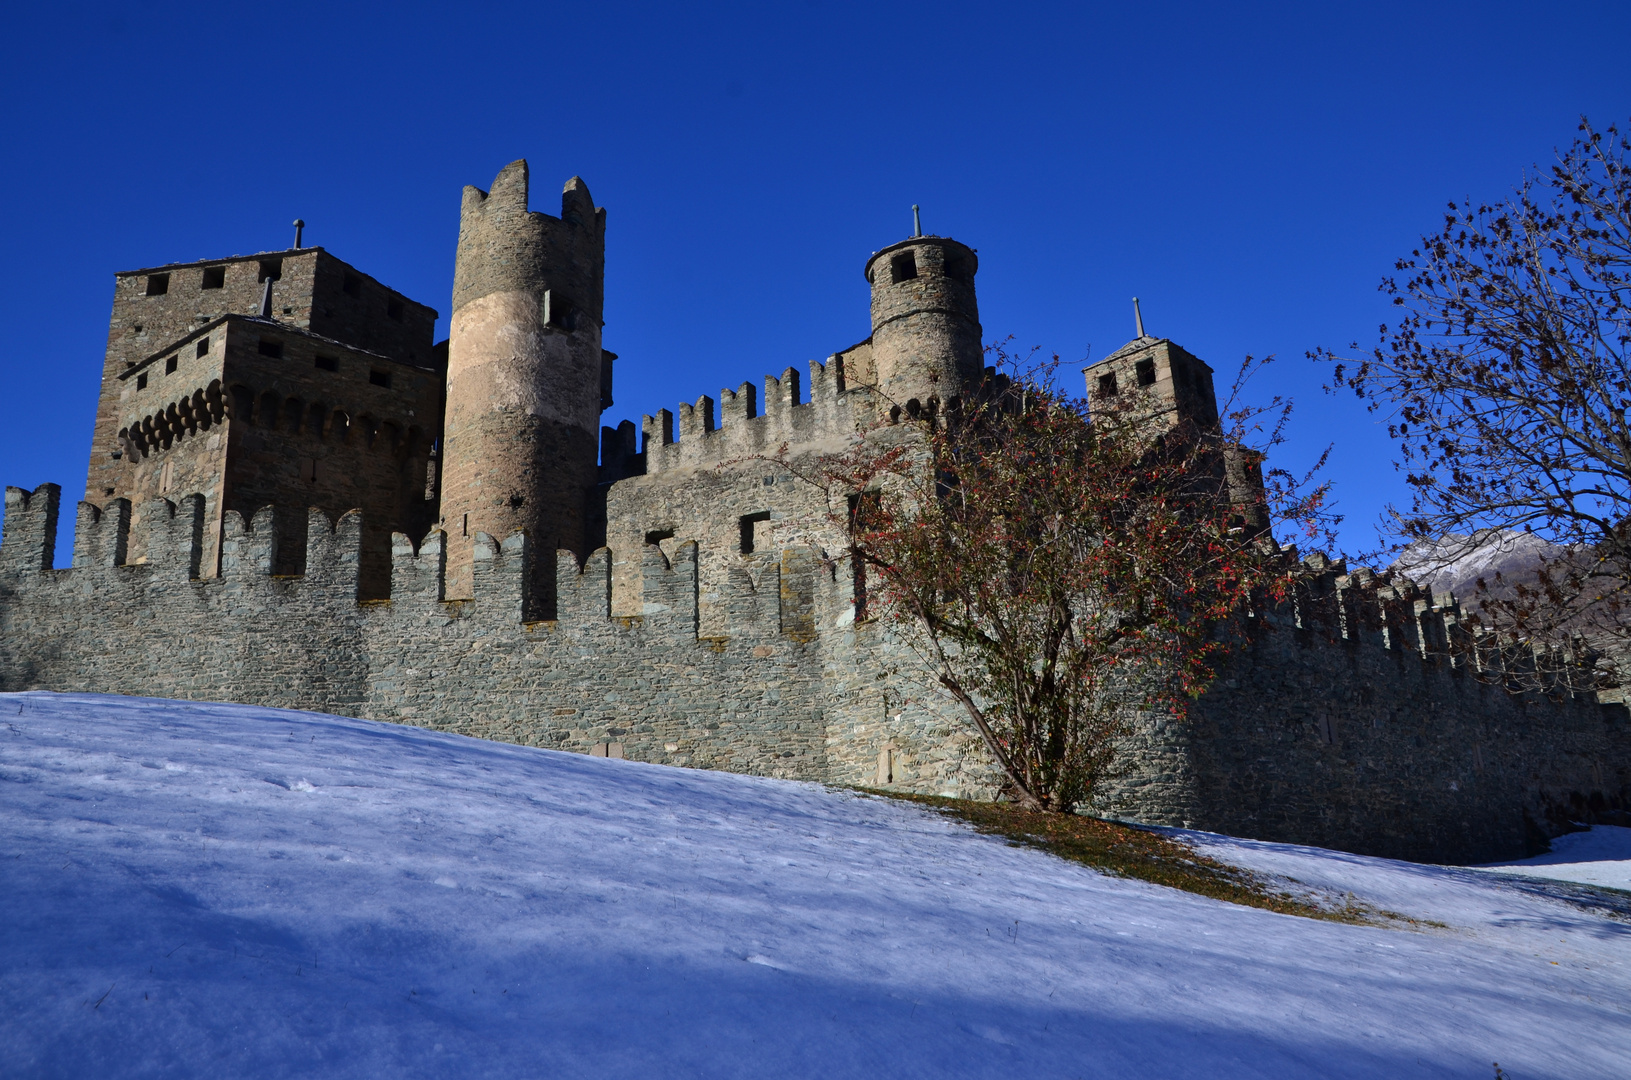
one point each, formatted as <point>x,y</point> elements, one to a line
<point>455,577</point>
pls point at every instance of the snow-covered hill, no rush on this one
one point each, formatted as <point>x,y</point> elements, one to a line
<point>210,890</point>
<point>1455,563</point>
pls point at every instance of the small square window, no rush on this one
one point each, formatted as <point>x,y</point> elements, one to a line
<point>903,267</point>
<point>352,285</point>
<point>1107,384</point>
<point>327,363</point>
<point>170,365</point>
<point>271,348</point>
<point>271,268</point>
<point>380,378</point>
<point>394,310</point>
<point>215,277</point>
<point>204,347</point>
<point>158,284</point>
<point>141,381</point>
<point>1146,372</point>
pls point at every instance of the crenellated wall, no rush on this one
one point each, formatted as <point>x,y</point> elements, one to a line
<point>1353,720</point>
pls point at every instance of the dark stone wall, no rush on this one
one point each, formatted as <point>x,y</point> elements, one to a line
<point>1367,739</point>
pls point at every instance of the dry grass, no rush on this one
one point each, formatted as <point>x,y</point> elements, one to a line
<point>1126,851</point>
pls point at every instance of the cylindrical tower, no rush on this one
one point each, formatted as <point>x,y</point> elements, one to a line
<point>925,322</point>
<point>523,374</point>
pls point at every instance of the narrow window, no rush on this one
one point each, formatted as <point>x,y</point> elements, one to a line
<point>394,310</point>
<point>215,277</point>
<point>141,381</point>
<point>1146,372</point>
<point>559,312</point>
<point>308,470</point>
<point>466,525</point>
<point>170,365</point>
<point>271,348</point>
<point>746,524</point>
<point>158,284</point>
<point>204,347</point>
<point>271,268</point>
<point>380,378</point>
<point>352,285</point>
<point>326,363</point>
<point>1107,384</point>
<point>903,267</point>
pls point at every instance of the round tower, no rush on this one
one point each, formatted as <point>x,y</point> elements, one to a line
<point>925,322</point>
<point>524,374</point>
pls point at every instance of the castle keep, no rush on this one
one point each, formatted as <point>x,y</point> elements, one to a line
<point>296,498</point>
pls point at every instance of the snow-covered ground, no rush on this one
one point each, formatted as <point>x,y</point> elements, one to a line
<point>210,890</point>
<point>1598,856</point>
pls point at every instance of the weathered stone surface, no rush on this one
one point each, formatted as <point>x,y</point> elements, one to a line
<point>717,628</point>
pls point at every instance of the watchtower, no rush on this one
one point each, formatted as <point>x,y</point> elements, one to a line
<point>925,322</point>
<point>526,378</point>
<point>1173,386</point>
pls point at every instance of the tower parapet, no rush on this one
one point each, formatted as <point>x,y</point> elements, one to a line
<point>525,371</point>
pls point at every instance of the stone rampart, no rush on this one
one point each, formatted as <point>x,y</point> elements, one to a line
<point>1356,719</point>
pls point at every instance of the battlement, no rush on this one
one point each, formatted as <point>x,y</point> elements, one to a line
<point>173,537</point>
<point>832,410</point>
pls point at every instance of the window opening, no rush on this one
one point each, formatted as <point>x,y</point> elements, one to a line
<point>1107,384</point>
<point>271,348</point>
<point>1146,372</point>
<point>957,269</point>
<point>326,363</point>
<point>559,312</point>
<point>170,365</point>
<point>657,536</point>
<point>204,347</point>
<point>747,522</point>
<point>352,285</point>
<point>141,381</point>
<point>271,268</point>
<point>903,267</point>
<point>394,310</point>
<point>215,277</point>
<point>158,284</point>
<point>380,378</point>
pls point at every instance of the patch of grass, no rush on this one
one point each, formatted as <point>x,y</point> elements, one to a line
<point>1127,851</point>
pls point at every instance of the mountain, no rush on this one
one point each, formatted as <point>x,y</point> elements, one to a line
<point>1454,562</point>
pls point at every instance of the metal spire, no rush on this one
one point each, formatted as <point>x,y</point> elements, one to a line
<point>917,222</point>
<point>1138,317</point>
<point>299,227</point>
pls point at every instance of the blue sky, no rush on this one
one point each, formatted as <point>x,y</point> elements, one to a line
<point>1250,172</point>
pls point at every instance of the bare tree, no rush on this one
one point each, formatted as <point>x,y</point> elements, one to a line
<point>1505,385</point>
<point>1053,569</point>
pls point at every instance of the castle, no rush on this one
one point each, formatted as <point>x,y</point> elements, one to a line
<point>297,498</point>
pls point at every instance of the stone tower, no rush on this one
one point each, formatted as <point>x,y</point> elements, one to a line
<point>1173,386</point>
<point>925,322</point>
<point>526,375</point>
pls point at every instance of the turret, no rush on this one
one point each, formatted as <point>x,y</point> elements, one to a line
<point>525,373</point>
<point>925,322</point>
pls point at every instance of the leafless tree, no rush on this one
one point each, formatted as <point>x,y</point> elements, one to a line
<point>1505,386</point>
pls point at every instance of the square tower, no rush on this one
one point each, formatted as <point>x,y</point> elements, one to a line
<point>1173,386</point>
<point>286,379</point>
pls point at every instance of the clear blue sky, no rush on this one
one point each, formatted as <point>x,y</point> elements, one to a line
<point>1249,171</point>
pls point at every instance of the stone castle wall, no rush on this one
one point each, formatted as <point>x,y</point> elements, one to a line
<point>1348,723</point>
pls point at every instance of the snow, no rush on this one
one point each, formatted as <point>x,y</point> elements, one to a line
<point>1600,855</point>
<point>1455,562</point>
<point>219,890</point>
